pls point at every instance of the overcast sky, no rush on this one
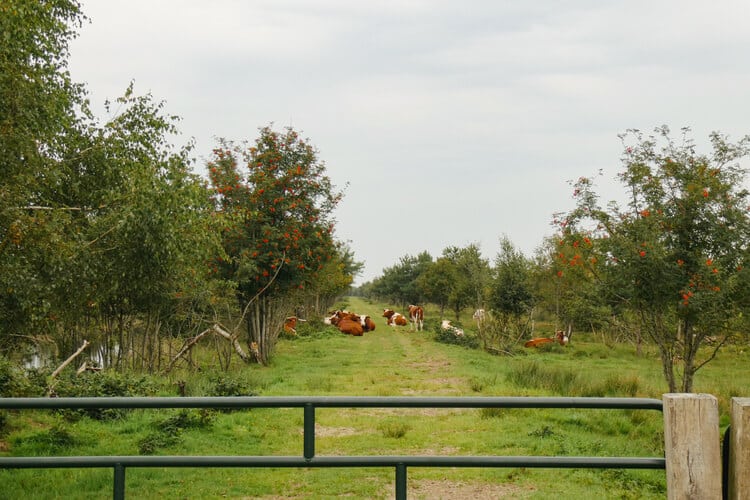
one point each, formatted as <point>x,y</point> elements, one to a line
<point>448,123</point>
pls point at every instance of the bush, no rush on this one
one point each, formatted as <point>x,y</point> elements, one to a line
<point>51,441</point>
<point>16,383</point>
<point>394,429</point>
<point>223,385</point>
<point>448,337</point>
<point>168,432</point>
<point>104,384</point>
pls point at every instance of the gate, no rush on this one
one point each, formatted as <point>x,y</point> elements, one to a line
<point>400,464</point>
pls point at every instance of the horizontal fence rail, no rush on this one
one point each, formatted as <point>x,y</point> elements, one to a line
<point>308,458</point>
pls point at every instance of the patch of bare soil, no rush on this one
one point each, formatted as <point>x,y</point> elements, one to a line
<point>323,431</point>
<point>436,490</point>
<point>431,365</point>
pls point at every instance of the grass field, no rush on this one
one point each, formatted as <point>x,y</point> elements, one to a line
<point>385,362</point>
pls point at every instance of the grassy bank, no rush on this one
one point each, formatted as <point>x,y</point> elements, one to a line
<point>385,362</point>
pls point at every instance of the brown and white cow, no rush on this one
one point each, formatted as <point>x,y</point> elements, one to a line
<point>290,324</point>
<point>416,317</point>
<point>347,322</point>
<point>559,337</point>
<point>394,319</point>
<point>368,324</point>
<point>351,326</point>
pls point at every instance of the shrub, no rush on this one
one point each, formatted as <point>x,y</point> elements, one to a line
<point>104,384</point>
<point>52,440</point>
<point>448,337</point>
<point>394,429</point>
<point>223,385</point>
<point>14,382</point>
<point>168,432</point>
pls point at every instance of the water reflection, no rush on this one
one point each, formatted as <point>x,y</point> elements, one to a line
<point>45,356</point>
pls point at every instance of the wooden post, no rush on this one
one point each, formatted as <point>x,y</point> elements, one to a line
<point>692,446</point>
<point>739,450</point>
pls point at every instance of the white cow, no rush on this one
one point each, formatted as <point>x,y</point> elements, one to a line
<point>479,315</point>
<point>446,325</point>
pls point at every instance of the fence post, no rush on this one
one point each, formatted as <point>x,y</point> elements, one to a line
<point>691,446</point>
<point>739,450</point>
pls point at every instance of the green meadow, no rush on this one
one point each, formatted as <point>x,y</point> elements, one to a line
<point>386,362</point>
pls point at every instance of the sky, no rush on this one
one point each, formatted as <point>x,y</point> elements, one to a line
<point>444,123</point>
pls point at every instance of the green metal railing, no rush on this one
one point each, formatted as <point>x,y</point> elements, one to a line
<point>308,458</point>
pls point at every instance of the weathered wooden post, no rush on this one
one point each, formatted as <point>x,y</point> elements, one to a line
<point>692,446</point>
<point>739,450</point>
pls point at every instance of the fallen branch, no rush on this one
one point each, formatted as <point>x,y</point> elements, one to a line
<point>71,358</point>
<point>185,348</point>
<point>217,329</point>
<point>51,388</point>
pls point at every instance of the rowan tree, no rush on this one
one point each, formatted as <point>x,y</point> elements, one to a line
<point>276,203</point>
<point>676,254</point>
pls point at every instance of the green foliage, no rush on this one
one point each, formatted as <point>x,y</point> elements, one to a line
<point>13,383</point>
<point>106,383</point>
<point>275,212</point>
<point>53,441</point>
<point>511,292</point>
<point>224,385</point>
<point>448,337</point>
<point>168,432</point>
<point>676,255</point>
<point>399,283</point>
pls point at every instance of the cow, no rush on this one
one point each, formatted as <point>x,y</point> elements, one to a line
<point>336,316</point>
<point>351,326</point>
<point>446,325</point>
<point>393,318</point>
<point>559,337</point>
<point>368,324</point>
<point>479,315</point>
<point>349,323</point>
<point>290,324</point>
<point>416,317</point>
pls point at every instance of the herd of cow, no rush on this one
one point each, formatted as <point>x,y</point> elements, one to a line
<point>357,324</point>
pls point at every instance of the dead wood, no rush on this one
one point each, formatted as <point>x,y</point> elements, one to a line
<point>216,329</point>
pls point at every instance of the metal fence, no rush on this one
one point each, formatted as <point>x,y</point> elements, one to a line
<point>308,457</point>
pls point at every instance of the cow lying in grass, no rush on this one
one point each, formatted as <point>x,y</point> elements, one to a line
<point>559,337</point>
<point>394,319</point>
<point>350,323</point>
<point>446,325</point>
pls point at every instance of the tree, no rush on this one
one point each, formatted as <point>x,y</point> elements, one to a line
<point>677,254</point>
<point>277,226</point>
<point>334,279</point>
<point>398,283</point>
<point>37,107</point>
<point>437,281</point>
<point>472,277</point>
<point>511,299</point>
